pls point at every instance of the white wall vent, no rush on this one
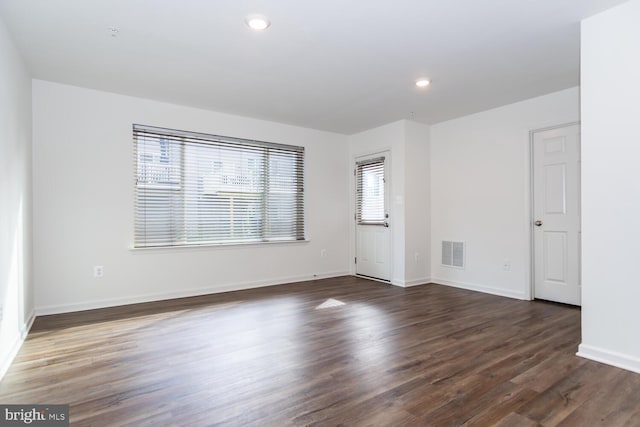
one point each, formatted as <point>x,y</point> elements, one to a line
<point>453,254</point>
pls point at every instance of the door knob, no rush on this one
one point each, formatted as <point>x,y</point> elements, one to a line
<point>538,223</point>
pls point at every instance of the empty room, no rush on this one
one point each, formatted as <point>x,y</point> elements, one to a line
<point>295,213</point>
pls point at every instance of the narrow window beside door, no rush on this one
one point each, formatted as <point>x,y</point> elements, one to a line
<point>198,189</point>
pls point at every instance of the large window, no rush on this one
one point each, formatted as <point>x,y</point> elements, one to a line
<point>199,189</point>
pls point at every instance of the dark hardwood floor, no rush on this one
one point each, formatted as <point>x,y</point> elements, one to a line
<point>428,355</point>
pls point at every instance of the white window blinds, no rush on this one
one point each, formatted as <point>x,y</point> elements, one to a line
<point>198,189</point>
<point>370,198</point>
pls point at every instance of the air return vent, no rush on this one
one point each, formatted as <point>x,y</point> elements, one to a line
<point>453,254</point>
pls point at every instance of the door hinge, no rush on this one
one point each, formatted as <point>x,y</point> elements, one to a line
<point>354,217</point>
<point>355,260</point>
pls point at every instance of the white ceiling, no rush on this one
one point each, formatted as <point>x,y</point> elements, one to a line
<point>337,65</point>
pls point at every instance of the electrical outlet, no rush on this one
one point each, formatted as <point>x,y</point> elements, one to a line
<point>323,253</point>
<point>98,271</point>
<point>416,256</point>
<point>506,265</point>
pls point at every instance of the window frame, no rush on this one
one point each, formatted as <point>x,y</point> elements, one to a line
<point>183,140</point>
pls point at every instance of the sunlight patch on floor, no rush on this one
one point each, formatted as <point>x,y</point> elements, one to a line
<point>330,303</point>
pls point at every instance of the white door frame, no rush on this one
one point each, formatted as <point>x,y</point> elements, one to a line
<point>386,152</point>
<point>531,217</point>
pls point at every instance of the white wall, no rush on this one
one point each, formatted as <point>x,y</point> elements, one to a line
<point>611,186</point>
<point>83,215</point>
<point>408,145</point>
<point>16,289</point>
<point>480,191</point>
<point>417,204</point>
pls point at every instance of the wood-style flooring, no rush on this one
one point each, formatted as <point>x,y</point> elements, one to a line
<point>423,356</point>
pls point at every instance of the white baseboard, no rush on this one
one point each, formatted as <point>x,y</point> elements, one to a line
<point>481,288</point>
<point>619,360</point>
<point>91,305</point>
<point>387,282</point>
<point>24,331</point>
<point>6,358</point>
<point>409,283</point>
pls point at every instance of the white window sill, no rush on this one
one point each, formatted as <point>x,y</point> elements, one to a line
<point>220,245</point>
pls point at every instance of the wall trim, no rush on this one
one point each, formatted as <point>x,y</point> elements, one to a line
<point>386,282</point>
<point>7,358</point>
<point>619,360</point>
<point>24,331</point>
<point>91,305</point>
<point>417,282</point>
<point>410,283</point>
<point>480,288</point>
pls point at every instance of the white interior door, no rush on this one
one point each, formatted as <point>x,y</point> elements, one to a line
<point>556,210</point>
<point>372,218</point>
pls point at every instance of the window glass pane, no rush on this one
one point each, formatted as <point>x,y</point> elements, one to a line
<point>224,193</point>
<point>282,197</point>
<point>373,196</point>
<point>158,163</point>
<point>200,189</point>
<point>370,198</point>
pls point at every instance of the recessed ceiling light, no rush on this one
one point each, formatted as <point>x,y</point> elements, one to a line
<point>257,22</point>
<point>422,82</point>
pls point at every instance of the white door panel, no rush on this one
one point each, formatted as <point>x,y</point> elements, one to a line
<point>555,262</point>
<point>372,251</point>
<point>373,256</point>
<point>556,200</point>
<point>555,189</point>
